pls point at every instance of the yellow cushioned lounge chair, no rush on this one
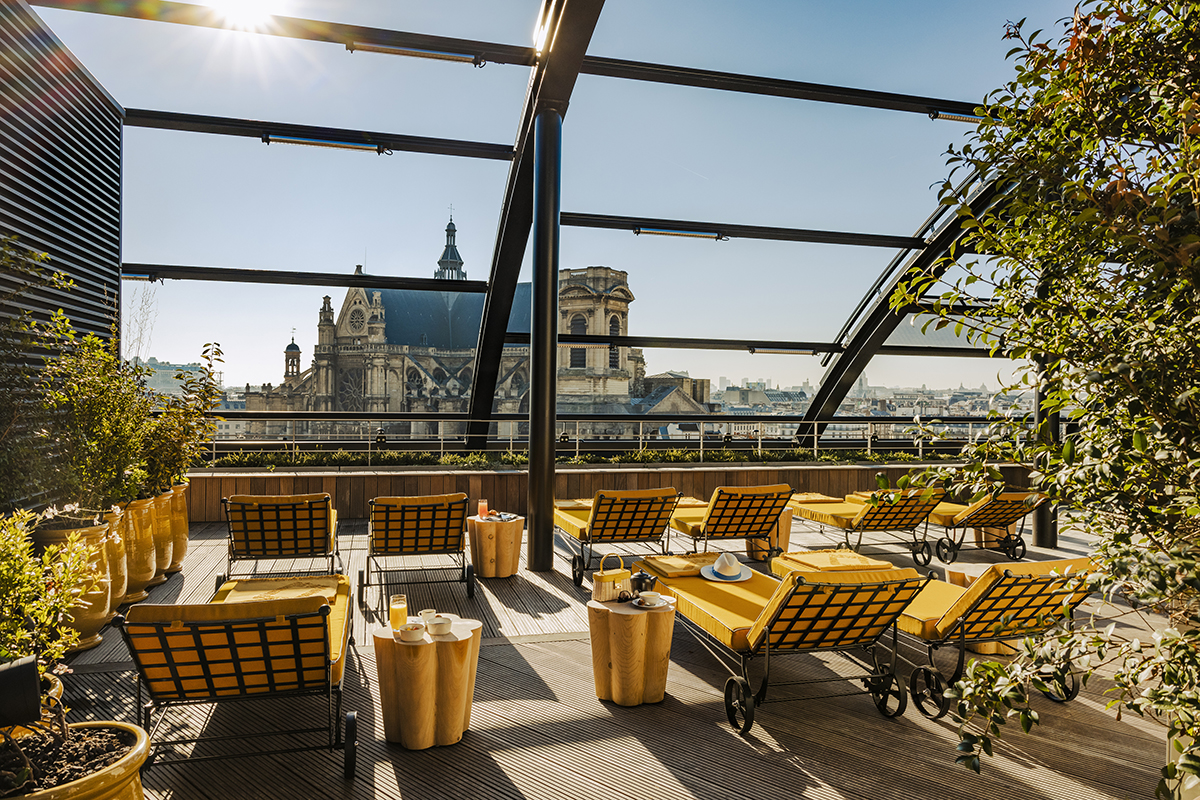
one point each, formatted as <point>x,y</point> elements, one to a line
<point>1009,601</point>
<point>417,526</point>
<point>735,512</point>
<point>638,515</point>
<point>269,527</point>
<point>262,638</point>
<point>1001,511</point>
<point>898,513</point>
<point>806,612</point>
<point>839,560</point>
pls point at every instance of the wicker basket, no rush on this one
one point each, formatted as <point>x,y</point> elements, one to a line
<point>607,585</point>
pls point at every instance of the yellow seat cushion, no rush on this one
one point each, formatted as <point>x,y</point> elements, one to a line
<point>835,515</point>
<point>814,497</point>
<point>236,592</point>
<point>824,561</point>
<point>689,520</point>
<point>921,617</point>
<point>724,610</point>
<point>944,513</point>
<point>682,566</point>
<point>573,521</point>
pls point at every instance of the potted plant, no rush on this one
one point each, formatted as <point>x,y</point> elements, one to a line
<point>39,753</point>
<point>176,436</point>
<point>95,408</point>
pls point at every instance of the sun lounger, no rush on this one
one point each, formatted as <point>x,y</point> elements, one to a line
<point>1000,511</point>
<point>270,527</point>
<point>898,513</point>
<point>615,517</point>
<point>256,639</point>
<point>1009,601</point>
<point>842,611</point>
<point>735,512</point>
<point>417,526</point>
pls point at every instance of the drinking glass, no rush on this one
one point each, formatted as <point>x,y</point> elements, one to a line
<point>398,611</point>
<point>483,509</point>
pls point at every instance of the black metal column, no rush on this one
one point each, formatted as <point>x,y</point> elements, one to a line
<point>1045,516</point>
<point>543,338</point>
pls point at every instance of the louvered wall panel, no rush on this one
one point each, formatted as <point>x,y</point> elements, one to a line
<point>60,169</point>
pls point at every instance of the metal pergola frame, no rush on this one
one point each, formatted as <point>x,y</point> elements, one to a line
<point>530,205</point>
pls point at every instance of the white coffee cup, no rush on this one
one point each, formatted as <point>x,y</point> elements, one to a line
<point>427,614</point>
<point>650,598</point>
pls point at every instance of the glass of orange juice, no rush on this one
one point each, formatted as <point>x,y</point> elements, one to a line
<point>398,611</point>
<point>483,509</point>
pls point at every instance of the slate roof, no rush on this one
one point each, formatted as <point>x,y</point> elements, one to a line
<point>448,320</point>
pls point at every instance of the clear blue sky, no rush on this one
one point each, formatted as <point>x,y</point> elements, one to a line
<point>629,148</point>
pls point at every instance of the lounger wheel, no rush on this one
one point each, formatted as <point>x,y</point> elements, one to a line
<point>577,570</point>
<point>1014,547</point>
<point>362,585</point>
<point>928,690</point>
<point>350,746</point>
<point>888,694</point>
<point>1069,682</point>
<point>947,552</point>
<point>739,704</point>
<point>922,553</point>
<point>470,579</point>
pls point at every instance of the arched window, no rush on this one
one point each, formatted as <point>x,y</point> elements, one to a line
<point>578,354</point>
<point>614,354</point>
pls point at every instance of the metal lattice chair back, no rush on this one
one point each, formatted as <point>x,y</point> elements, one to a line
<point>634,516</point>
<point>279,527</point>
<point>834,615</point>
<point>199,652</point>
<point>415,525</point>
<point>1019,605</point>
<point>735,513</point>
<point>1001,511</point>
<point>899,512</point>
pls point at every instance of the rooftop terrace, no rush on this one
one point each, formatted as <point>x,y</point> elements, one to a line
<point>538,731</point>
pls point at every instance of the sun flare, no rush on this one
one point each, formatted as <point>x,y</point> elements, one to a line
<point>247,14</point>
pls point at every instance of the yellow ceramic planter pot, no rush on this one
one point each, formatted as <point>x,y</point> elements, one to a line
<point>119,781</point>
<point>139,549</point>
<point>92,613</point>
<point>118,565</point>
<point>179,527</point>
<point>160,527</point>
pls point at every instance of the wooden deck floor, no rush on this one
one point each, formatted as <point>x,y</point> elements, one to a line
<point>538,730</point>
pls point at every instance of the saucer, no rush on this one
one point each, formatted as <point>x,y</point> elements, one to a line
<point>637,603</point>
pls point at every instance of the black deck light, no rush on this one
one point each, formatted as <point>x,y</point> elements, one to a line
<point>727,438</point>
<point>564,438</point>
<point>380,438</point>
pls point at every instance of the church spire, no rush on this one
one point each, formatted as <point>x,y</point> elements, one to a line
<point>450,266</point>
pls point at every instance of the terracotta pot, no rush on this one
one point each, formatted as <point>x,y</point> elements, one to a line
<point>179,526</point>
<point>93,614</point>
<point>139,549</point>
<point>160,531</point>
<point>119,781</point>
<point>118,566</point>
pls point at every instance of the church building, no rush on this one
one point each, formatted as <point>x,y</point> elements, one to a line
<point>403,350</point>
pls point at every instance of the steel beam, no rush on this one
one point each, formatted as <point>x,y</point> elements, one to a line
<point>877,325</point>
<point>159,272</point>
<point>265,131</point>
<point>725,230</point>
<point>543,346</point>
<point>550,86</point>
<point>415,44</point>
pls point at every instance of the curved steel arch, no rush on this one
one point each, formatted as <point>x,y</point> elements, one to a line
<point>877,320</point>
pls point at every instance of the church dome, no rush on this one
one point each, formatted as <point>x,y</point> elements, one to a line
<point>292,348</point>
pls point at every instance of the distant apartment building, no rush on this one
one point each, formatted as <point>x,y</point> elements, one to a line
<point>167,378</point>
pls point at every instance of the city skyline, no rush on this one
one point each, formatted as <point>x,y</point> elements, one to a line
<point>629,148</point>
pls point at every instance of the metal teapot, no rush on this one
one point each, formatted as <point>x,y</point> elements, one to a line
<point>641,581</point>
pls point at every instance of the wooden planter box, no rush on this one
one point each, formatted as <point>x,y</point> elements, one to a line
<point>505,490</point>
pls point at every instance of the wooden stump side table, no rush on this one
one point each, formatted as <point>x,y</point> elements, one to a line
<point>425,687</point>
<point>495,546</point>
<point>631,651</point>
